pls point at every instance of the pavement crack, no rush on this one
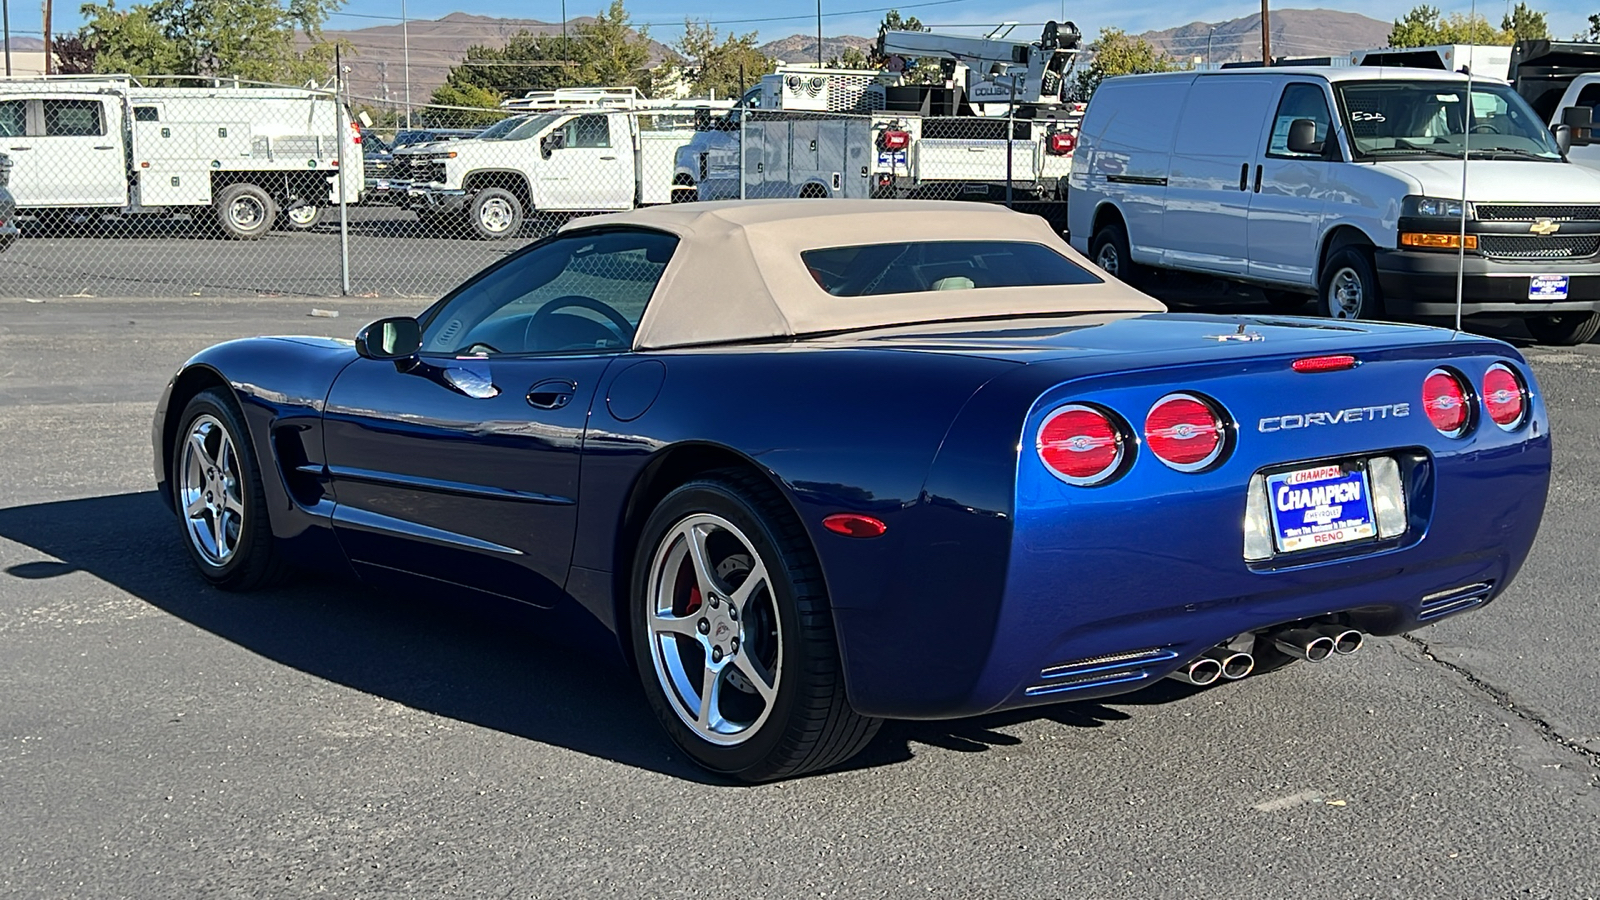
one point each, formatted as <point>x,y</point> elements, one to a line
<point>1504,701</point>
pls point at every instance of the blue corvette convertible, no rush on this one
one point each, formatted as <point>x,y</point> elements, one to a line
<point>818,464</point>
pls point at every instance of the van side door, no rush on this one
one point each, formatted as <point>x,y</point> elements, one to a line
<point>1290,190</point>
<point>67,150</point>
<point>1209,183</point>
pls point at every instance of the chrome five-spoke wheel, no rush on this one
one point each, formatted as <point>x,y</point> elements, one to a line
<point>715,635</point>
<point>209,490</point>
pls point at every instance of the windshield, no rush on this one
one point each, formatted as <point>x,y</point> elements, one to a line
<point>1421,119</point>
<point>524,129</point>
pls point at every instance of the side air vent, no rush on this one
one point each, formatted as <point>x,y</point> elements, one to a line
<point>302,477</point>
<point>1114,668</point>
<point>1454,600</point>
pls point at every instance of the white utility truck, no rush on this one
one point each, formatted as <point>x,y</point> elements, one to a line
<point>993,129</point>
<point>241,154</point>
<point>572,150</point>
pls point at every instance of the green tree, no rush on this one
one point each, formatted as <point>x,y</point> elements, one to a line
<point>607,52</point>
<point>1525,25</point>
<point>1425,26</point>
<point>254,41</point>
<point>467,95</point>
<point>1117,53</point>
<point>1593,34</point>
<point>922,70</point>
<point>726,67</point>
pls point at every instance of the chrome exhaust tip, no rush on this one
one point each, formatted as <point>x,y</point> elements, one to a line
<point>1347,641</point>
<point>1235,665</point>
<point>1303,643</point>
<point>1199,672</point>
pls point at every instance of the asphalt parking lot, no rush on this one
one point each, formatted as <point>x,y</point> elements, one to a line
<point>161,739</point>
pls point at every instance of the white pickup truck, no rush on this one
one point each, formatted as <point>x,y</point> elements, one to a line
<point>252,157</point>
<point>575,160</point>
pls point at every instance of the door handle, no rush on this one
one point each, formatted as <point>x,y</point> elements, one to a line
<point>608,157</point>
<point>19,148</point>
<point>553,394</point>
<point>1244,177</point>
<point>1258,179</point>
<point>103,147</point>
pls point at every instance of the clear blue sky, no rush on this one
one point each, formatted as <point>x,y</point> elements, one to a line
<point>862,16</point>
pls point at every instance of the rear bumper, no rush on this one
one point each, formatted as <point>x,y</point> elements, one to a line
<point>1423,283</point>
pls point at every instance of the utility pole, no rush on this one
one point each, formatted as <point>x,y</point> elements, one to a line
<point>5,14</point>
<point>566,55</point>
<point>819,34</point>
<point>1266,35</point>
<point>47,63</point>
<point>405,45</point>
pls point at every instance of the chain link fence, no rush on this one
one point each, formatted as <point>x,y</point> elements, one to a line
<point>210,190</point>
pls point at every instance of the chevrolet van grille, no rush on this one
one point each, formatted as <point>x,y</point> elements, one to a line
<point>1516,246</point>
<point>1527,212</point>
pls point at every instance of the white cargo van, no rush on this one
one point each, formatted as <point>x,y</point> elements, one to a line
<point>1345,184</point>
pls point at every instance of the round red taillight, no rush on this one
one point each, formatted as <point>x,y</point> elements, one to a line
<point>1444,397</point>
<point>1081,445</point>
<point>1185,432</point>
<point>1504,396</point>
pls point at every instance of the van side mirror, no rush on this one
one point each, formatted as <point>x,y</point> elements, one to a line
<point>399,337</point>
<point>1580,119</point>
<point>1303,137</point>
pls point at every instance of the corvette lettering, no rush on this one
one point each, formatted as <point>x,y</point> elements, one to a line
<point>1334,417</point>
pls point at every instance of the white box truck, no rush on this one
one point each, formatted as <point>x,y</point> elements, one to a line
<point>1345,184</point>
<point>242,155</point>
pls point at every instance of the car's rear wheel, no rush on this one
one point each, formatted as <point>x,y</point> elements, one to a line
<point>217,492</point>
<point>733,636</point>
<point>1349,287</point>
<point>1565,329</point>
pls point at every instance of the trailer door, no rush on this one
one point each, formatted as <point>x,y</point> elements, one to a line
<point>70,153</point>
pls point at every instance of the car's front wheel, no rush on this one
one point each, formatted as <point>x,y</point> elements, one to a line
<point>217,492</point>
<point>733,636</point>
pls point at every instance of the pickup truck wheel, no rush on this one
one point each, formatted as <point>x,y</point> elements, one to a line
<point>302,217</point>
<point>245,212</point>
<point>1349,287</point>
<point>1565,329</point>
<point>1109,250</point>
<point>496,214</point>
<point>733,636</point>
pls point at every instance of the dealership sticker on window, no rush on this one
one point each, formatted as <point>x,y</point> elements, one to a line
<point>1547,287</point>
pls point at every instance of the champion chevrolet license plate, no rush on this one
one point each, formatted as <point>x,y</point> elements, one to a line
<point>1320,507</point>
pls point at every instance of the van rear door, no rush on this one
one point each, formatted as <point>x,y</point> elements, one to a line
<point>1290,190</point>
<point>1213,161</point>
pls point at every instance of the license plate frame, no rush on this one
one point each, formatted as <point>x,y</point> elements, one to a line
<point>1308,506</point>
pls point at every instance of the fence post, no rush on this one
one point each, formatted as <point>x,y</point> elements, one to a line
<point>342,101</point>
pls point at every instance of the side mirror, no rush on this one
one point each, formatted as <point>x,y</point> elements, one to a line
<point>1581,120</point>
<point>702,118</point>
<point>1303,137</point>
<point>552,142</point>
<point>399,337</point>
<point>1563,136</point>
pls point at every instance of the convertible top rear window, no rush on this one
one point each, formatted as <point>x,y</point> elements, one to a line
<point>916,266</point>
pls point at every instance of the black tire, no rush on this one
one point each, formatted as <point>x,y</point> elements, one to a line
<point>1108,249</point>
<point>301,217</point>
<point>786,627</point>
<point>495,214</point>
<point>244,212</point>
<point>1564,329</point>
<point>1349,286</point>
<point>254,560</point>
<point>1285,301</point>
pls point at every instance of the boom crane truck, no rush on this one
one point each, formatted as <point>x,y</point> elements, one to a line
<point>994,128</point>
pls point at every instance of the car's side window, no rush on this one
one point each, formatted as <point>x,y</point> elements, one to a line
<point>13,118</point>
<point>575,293</point>
<point>73,118</point>
<point>1300,101</point>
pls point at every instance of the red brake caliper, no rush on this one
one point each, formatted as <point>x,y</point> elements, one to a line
<point>695,599</point>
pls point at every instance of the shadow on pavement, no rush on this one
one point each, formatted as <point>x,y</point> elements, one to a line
<point>553,677</point>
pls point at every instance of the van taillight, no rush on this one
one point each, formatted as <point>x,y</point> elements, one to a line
<point>1081,445</point>
<point>1444,398</point>
<point>1185,432</point>
<point>1505,397</point>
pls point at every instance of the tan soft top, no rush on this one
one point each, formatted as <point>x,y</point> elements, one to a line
<point>737,273</point>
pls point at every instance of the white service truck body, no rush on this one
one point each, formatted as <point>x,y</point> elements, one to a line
<point>244,153</point>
